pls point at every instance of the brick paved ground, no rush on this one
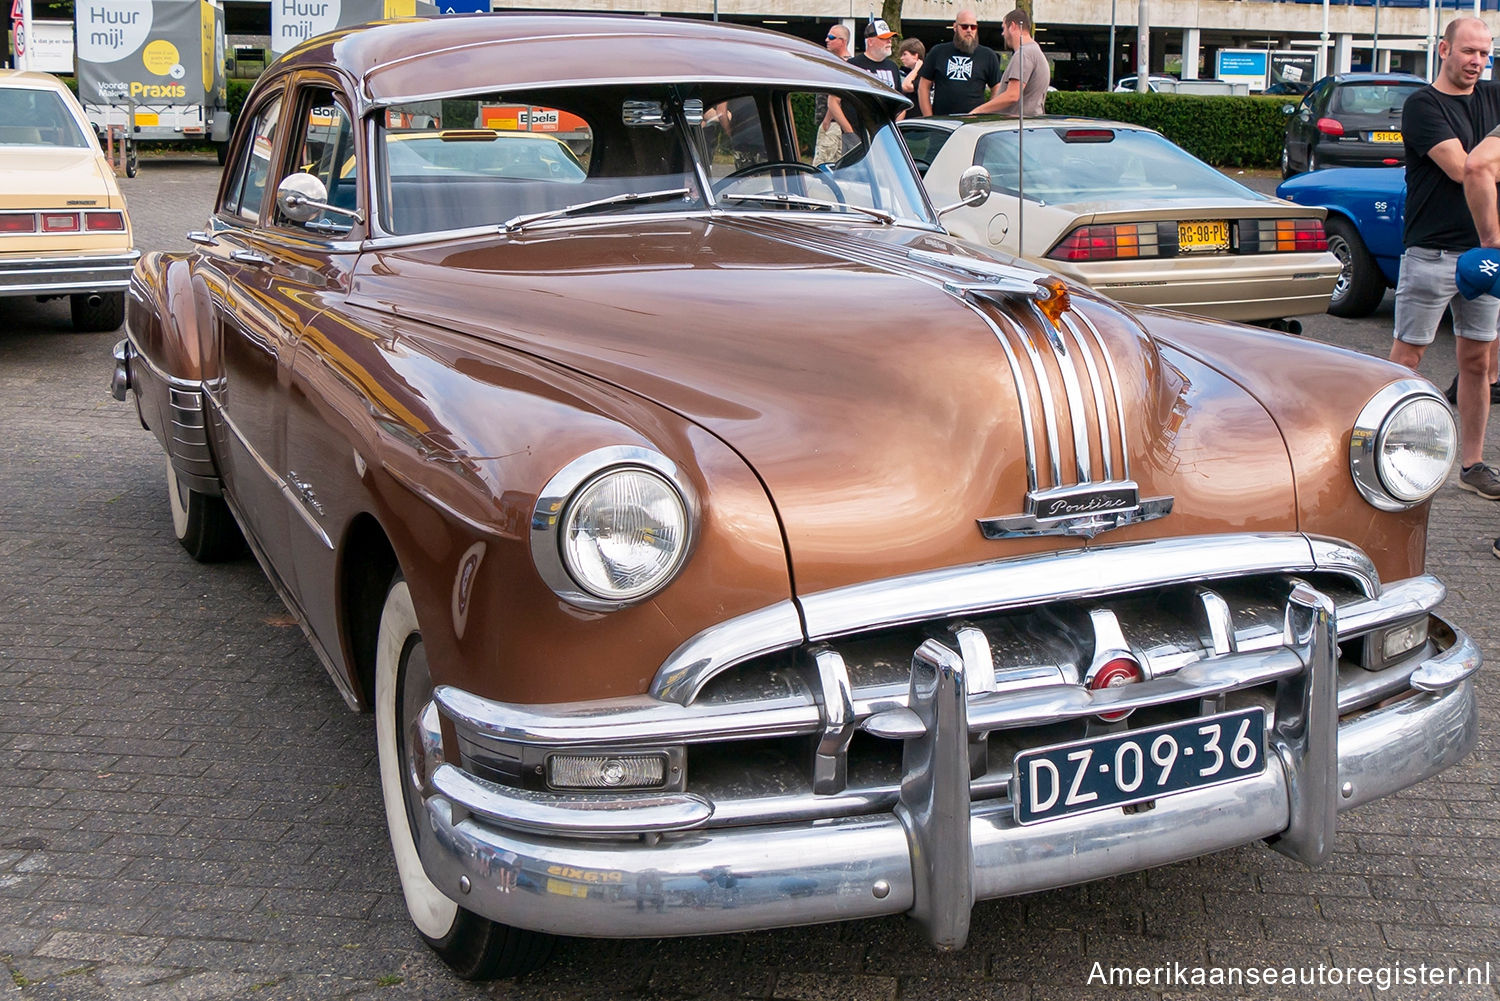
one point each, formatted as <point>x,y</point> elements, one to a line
<point>190,811</point>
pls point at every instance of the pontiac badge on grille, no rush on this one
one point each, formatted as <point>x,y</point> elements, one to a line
<point>1081,509</point>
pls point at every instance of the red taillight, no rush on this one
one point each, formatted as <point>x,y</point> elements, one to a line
<point>1116,674</point>
<point>59,222</point>
<point>105,222</point>
<point>1300,234</point>
<point>1266,236</point>
<point>18,222</point>
<point>1107,243</point>
<point>1330,126</point>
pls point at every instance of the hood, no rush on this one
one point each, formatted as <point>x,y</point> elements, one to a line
<point>880,410</point>
<point>48,177</point>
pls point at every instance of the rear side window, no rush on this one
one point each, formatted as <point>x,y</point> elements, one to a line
<point>924,144</point>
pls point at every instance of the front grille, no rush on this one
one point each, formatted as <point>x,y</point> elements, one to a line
<point>818,730</point>
<point>1040,657</point>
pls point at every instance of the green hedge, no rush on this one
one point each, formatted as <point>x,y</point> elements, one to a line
<point>1224,131</point>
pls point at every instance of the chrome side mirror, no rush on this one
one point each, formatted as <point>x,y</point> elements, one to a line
<point>1288,109</point>
<point>300,197</point>
<point>645,114</point>
<point>974,188</point>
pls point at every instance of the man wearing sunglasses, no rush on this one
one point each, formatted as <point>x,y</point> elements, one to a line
<point>835,134</point>
<point>956,74</point>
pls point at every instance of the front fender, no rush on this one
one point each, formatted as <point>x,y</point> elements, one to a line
<point>168,328</point>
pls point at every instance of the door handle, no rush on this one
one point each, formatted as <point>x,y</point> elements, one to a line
<point>202,239</point>
<point>249,257</point>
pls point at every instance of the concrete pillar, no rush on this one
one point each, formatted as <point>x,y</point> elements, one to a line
<point>1343,46</point>
<point>1190,41</point>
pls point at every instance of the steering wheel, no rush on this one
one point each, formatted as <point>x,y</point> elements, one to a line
<point>790,166</point>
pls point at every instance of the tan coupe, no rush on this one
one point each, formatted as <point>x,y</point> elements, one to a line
<point>63,227</point>
<point>721,545</point>
<point>1133,215</point>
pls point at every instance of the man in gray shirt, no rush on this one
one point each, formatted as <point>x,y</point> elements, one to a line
<point>1023,85</point>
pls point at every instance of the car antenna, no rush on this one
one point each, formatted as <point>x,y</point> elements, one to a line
<point>1020,154</point>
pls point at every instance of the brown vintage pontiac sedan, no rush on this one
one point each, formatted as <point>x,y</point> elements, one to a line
<point>720,545</point>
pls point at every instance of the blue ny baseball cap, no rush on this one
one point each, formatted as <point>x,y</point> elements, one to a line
<point>1478,272</point>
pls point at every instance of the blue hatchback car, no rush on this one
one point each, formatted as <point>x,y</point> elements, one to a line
<point>1364,229</point>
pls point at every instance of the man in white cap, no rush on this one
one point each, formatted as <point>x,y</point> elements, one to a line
<point>876,59</point>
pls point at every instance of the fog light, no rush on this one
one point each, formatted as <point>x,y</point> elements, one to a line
<point>607,771</point>
<point>1116,673</point>
<point>1404,639</point>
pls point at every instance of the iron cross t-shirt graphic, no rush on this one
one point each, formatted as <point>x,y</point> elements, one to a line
<point>959,79</point>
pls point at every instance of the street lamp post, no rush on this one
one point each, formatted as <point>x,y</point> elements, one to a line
<point>1111,58</point>
<point>1142,49</point>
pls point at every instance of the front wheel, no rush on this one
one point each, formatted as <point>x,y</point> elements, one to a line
<point>203,524</point>
<point>475,947</point>
<point>1360,285</point>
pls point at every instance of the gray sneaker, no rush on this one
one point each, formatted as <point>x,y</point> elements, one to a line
<point>1482,479</point>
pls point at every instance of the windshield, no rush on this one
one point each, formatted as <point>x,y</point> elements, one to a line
<point>517,159</point>
<point>1088,163</point>
<point>37,118</point>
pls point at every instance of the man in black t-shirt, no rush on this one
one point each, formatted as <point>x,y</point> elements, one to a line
<point>956,74</point>
<point>876,59</point>
<point>1440,124</point>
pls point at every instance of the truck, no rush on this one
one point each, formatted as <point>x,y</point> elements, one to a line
<point>153,69</point>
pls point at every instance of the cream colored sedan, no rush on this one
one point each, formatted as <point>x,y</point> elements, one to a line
<point>1122,209</point>
<point>63,226</point>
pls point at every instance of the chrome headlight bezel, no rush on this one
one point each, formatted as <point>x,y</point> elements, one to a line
<point>555,501</point>
<point>1368,438</point>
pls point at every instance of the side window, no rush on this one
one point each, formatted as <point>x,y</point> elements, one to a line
<point>247,190</point>
<point>735,134</point>
<point>323,146</point>
<point>924,144</point>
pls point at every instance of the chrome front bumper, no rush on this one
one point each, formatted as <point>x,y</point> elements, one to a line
<point>64,275</point>
<point>921,857</point>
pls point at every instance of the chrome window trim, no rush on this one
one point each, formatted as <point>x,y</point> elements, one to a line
<point>1365,439</point>
<point>552,503</point>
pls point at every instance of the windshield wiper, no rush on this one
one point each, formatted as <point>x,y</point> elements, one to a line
<point>803,202</point>
<point>583,208</point>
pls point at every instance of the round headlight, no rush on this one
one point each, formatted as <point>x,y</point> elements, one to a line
<point>1416,448</point>
<point>613,527</point>
<point>624,534</point>
<point>1403,445</point>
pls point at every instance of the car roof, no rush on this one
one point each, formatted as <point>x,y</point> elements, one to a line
<point>1003,123</point>
<point>30,80</point>
<point>425,59</point>
<point>1377,78</point>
